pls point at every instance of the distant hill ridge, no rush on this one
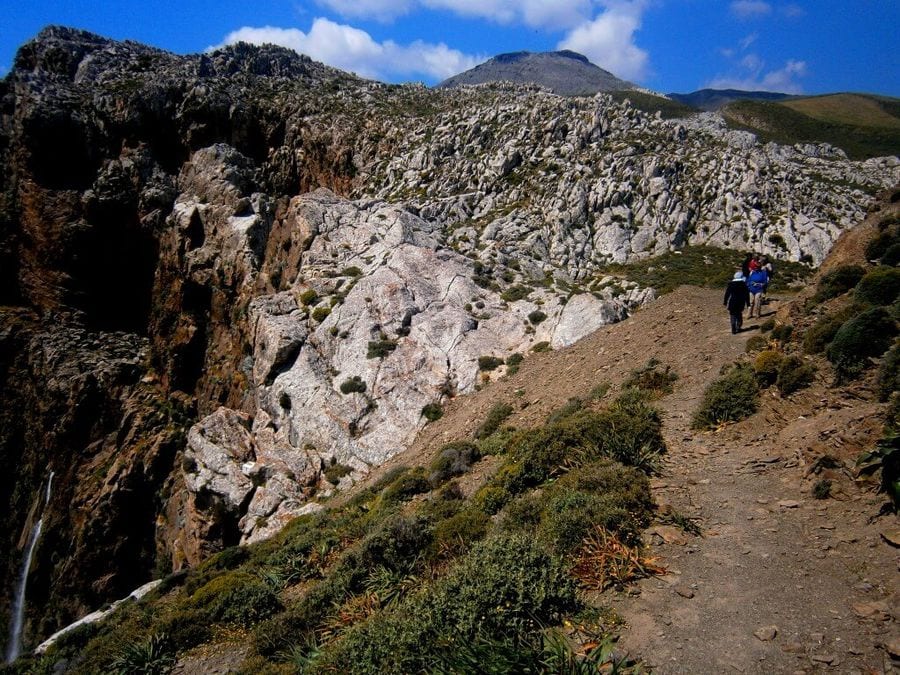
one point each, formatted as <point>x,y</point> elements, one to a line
<point>564,72</point>
<point>714,99</point>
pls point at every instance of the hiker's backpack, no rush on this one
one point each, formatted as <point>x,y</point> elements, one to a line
<point>757,281</point>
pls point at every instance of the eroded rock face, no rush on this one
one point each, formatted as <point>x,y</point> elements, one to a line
<point>375,301</point>
<point>230,270</point>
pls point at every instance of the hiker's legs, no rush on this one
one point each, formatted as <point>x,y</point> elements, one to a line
<point>736,323</point>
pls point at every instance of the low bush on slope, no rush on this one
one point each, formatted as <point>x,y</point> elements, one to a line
<point>409,576</point>
<point>732,397</point>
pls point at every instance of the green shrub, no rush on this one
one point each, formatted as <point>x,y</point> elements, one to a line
<point>822,489</point>
<point>497,442</point>
<point>208,595</point>
<point>837,282</point>
<point>352,271</point>
<point>572,406</point>
<point>782,332</point>
<point>352,385</point>
<point>506,586</point>
<point>767,325</point>
<point>186,628</point>
<point>490,499</point>
<point>631,432</point>
<point>488,363</point>
<point>395,544</point>
<point>406,486</point>
<point>881,243</point>
<point>432,412</point>
<point>514,359</point>
<point>458,533</point>
<point>598,391</point>
<point>378,349</point>
<point>278,634</point>
<point>247,604</point>
<point>892,414</point>
<point>867,336</point>
<point>794,374</point>
<point>541,347</point>
<point>523,513</point>
<point>821,333</point>
<point>652,380</point>
<point>891,257</point>
<point>756,343</point>
<point>309,297</point>
<point>540,454</point>
<point>335,471</point>
<point>730,398</point>
<point>320,314</point>
<point>495,417</point>
<point>889,373</point>
<point>454,459</point>
<point>601,494</point>
<point>879,287</point>
<point>766,366</point>
<point>494,654</point>
<point>514,293</point>
<point>536,317</point>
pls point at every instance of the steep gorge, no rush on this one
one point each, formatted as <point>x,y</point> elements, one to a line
<point>186,285</point>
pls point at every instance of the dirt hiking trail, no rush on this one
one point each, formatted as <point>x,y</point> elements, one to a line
<point>778,582</point>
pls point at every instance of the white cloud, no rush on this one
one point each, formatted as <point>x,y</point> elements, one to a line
<point>608,40</point>
<point>554,15</point>
<point>559,14</point>
<point>793,11</point>
<point>354,50</point>
<point>749,40</point>
<point>784,79</point>
<point>752,62</point>
<point>749,9</point>
<point>380,10</point>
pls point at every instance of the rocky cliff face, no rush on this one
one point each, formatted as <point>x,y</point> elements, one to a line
<point>224,274</point>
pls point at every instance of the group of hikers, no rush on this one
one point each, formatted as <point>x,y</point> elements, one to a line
<point>748,289</point>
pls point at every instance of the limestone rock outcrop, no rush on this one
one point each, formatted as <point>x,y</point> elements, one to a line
<point>374,320</point>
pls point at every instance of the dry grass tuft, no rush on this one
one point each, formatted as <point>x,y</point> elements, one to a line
<point>605,561</point>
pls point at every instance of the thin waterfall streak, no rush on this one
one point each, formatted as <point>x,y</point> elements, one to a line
<point>49,485</point>
<point>17,611</point>
<point>14,647</point>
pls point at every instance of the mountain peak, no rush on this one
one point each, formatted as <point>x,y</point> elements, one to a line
<point>563,72</point>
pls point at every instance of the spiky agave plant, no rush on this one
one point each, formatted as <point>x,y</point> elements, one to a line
<point>153,656</point>
<point>885,456</point>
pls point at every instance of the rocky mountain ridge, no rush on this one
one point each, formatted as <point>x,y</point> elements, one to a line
<point>565,72</point>
<point>227,273</point>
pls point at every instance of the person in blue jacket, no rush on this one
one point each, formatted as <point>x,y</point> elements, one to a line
<point>756,284</point>
<point>737,297</point>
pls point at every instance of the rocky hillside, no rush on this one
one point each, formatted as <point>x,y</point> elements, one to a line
<point>766,549</point>
<point>232,281</point>
<point>566,73</point>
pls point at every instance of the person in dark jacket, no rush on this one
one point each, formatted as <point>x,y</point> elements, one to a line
<point>737,297</point>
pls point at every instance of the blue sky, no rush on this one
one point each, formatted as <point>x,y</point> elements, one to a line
<point>795,46</point>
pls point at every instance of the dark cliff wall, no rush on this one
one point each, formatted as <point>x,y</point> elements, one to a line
<point>109,344</point>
